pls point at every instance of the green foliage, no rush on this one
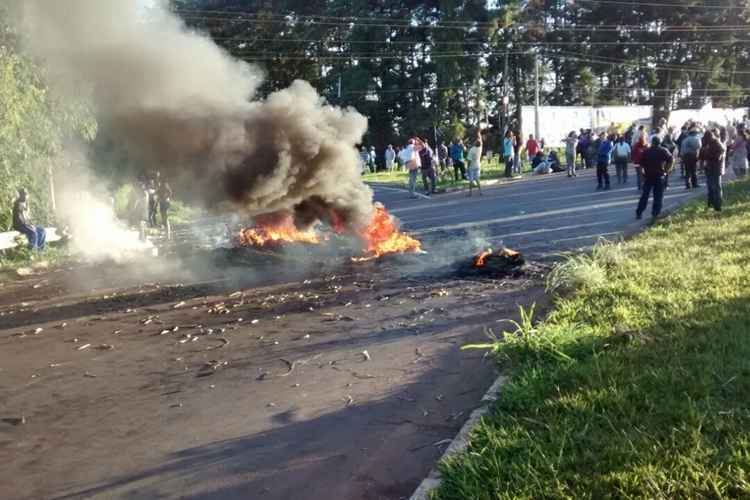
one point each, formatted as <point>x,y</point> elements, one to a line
<point>638,387</point>
<point>32,132</point>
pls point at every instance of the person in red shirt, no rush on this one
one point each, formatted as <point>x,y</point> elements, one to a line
<point>532,147</point>
<point>640,146</point>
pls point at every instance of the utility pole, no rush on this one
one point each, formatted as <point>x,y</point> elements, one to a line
<point>504,103</point>
<point>536,97</point>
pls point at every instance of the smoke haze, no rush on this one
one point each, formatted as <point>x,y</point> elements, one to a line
<point>178,101</point>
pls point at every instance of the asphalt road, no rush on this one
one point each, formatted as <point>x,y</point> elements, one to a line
<point>540,216</point>
<point>292,407</point>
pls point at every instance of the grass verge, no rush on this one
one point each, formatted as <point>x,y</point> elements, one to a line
<point>638,383</point>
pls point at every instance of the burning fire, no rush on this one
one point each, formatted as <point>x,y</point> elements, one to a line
<point>383,237</point>
<point>274,230</point>
<point>479,259</point>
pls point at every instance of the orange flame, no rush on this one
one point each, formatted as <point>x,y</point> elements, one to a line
<point>479,259</point>
<point>275,230</point>
<point>383,237</point>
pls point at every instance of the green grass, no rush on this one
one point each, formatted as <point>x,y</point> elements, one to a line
<point>493,169</point>
<point>637,385</point>
<point>13,259</point>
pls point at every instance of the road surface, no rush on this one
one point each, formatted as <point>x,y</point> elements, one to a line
<point>318,383</point>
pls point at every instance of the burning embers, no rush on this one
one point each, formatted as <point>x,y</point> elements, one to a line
<point>381,237</point>
<point>501,263</point>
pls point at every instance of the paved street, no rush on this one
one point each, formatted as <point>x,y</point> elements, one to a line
<point>341,384</point>
<point>541,216</point>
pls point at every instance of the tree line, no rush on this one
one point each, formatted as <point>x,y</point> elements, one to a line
<point>436,67</point>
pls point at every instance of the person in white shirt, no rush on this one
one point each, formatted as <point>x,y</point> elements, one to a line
<point>621,156</point>
<point>410,158</point>
<point>390,157</point>
<point>475,165</point>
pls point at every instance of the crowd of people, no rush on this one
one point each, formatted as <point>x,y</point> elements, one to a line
<point>652,155</point>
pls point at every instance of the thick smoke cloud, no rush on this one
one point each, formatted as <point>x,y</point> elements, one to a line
<point>178,101</point>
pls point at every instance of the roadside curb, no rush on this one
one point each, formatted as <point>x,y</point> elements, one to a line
<point>461,441</point>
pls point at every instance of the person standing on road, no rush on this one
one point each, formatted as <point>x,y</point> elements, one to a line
<point>442,152</point>
<point>656,163</point>
<point>690,148</point>
<point>457,151</point>
<point>517,145</point>
<point>583,144</point>
<point>638,136</point>
<point>622,155</point>
<point>508,153</point>
<point>571,143</point>
<point>390,158</point>
<point>532,147</point>
<point>410,158</point>
<point>426,157</point>
<point>164,195</point>
<point>739,154</point>
<point>152,202</point>
<point>36,235</point>
<point>712,153</point>
<point>475,165</point>
<point>604,158</point>
<point>640,147</point>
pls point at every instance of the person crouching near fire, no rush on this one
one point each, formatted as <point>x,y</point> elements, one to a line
<point>36,235</point>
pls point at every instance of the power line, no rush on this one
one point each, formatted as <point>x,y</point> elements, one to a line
<point>396,23</point>
<point>462,43</point>
<point>683,5</point>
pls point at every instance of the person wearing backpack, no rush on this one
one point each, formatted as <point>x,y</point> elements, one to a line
<point>622,157</point>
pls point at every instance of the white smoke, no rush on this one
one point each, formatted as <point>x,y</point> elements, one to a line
<point>175,99</point>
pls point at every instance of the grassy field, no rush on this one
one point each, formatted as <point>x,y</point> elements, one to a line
<point>637,385</point>
<point>493,169</point>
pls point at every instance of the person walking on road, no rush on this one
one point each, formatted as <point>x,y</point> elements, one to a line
<point>36,235</point>
<point>604,158</point>
<point>712,153</point>
<point>656,163</point>
<point>475,165</point>
<point>622,157</point>
<point>571,143</point>
<point>690,148</point>
<point>390,158</point>
<point>457,151</point>
<point>508,153</point>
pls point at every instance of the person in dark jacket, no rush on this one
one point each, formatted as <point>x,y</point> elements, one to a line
<point>712,153</point>
<point>429,177</point>
<point>656,162</point>
<point>604,158</point>
<point>36,235</point>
